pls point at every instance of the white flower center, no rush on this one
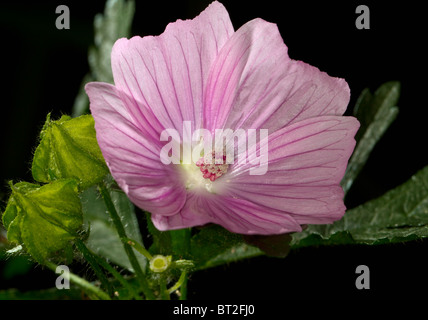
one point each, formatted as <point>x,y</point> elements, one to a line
<point>205,171</point>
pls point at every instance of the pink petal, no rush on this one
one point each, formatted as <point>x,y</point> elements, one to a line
<point>247,217</point>
<point>236,215</point>
<point>133,159</point>
<point>307,161</point>
<point>192,214</point>
<point>165,76</point>
<point>254,84</point>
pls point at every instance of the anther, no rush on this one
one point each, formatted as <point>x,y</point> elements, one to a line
<point>210,168</point>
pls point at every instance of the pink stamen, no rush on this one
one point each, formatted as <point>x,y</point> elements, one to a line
<point>211,169</point>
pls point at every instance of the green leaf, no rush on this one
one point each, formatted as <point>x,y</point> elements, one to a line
<point>180,241</point>
<point>115,23</point>
<point>44,219</point>
<point>367,106</point>
<point>209,247</point>
<point>11,221</point>
<point>162,241</point>
<point>103,238</point>
<point>214,246</point>
<point>175,242</point>
<point>399,215</point>
<point>69,149</point>
<point>375,113</point>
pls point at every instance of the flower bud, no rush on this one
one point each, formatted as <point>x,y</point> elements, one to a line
<point>160,263</point>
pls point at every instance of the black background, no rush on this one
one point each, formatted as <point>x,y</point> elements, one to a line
<point>42,67</point>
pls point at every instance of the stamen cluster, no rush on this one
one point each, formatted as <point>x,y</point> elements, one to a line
<point>212,166</point>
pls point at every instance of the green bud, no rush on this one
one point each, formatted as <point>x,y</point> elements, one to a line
<point>183,264</point>
<point>160,263</point>
<point>43,219</point>
<point>68,149</point>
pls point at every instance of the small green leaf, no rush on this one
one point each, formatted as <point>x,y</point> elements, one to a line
<point>69,149</point>
<point>214,246</point>
<point>44,219</point>
<point>103,238</point>
<point>399,215</point>
<point>115,23</point>
<point>375,113</point>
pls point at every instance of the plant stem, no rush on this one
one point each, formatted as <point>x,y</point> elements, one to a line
<point>184,275</point>
<point>180,282</point>
<point>183,291</point>
<point>164,293</point>
<point>122,235</point>
<point>139,248</point>
<point>82,283</point>
<point>100,261</point>
<point>181,247</point>
<point>89,256</point>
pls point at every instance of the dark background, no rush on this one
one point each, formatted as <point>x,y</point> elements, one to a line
<point>42,67</point>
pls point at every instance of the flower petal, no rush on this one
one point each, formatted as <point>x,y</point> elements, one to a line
<point>236,215</point>
<point>165,75</point>
<point>306,162</point>
<point>254,84</point>
<point>133,159</point>
<point>246,217</point>
<point>193,213</point>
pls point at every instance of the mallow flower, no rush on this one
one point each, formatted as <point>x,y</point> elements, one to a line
<point>284,142</point>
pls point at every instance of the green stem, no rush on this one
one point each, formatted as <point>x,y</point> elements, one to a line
<point>139,248</point>
<point>128,249</point>
<point>89,256</point>
<point>82,283</point>
<point>183,290</point>
<point>100,261</point>
<point>164,292</point>
<point>180,282</point>
<point>181,247</point>
<point>121,279</point>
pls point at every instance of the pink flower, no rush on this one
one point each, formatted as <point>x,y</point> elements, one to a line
<point>204,73</point>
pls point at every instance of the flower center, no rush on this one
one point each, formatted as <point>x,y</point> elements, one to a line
<point>207,170</point>
<point>212,166</point>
